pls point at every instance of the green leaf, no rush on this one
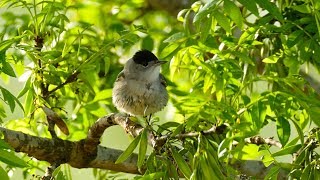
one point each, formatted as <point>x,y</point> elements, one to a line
<point>293,141</point>
<point>223,147</point>
<point>287,150</point>
<point>303,8</point>
<point>147,43</point>
<point>205,10</point>
<point>102,95</point>
<point>306,173</point>
<point>206,169</point>
<point>26,88</point>
<point>4,145</point>
<point>28,105</point>
<point>156,175</point>
<point>294,38</point>
<point>4,45</point>
<point>196,174</point>
<point>258,114</point>
<point>174,65</point>
<point>205,28</point>
<point>107,64</point>
<point>129,39</point>
<point>243,56</point>
<point>234,13</point>
<point>272,173</point>
<point>11,159</point>
<point>219,85</point>
<point>296,173</point>
<point>182,164</point>
<point>6,67</point>
<point>248,35</point>
<point>213,162</point>
<point>251,6</point>
<point>56,171</point>
<point>283,130</point>
<point>169,49</point>
<point>3,174</point>
<point>301,156</point>
<point>129,150</point>
<point>10,99</point>
<point>3,113</point>
<point>60,176</point>
<point>208,81</point>
<point>271,8</point>
<point>222,20</point>
<point>192,120</point>
<point>177,130</point>
<point>143,147</point>
<point>303,120</point>
<point>172,169</point>
<point>167,126</point>
<point>175,37</point>
<point>63,17</point>
<point>316,173</point>
<point>271,59</point>
<point>314,113</point>
<point>181,14</point>
<point>299,130</point>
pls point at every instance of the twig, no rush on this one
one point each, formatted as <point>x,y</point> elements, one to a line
<point>260,140</point>
<point>213,129</point>
<point>54,119</point>
<point>70,79</point>
<point>159,141</point>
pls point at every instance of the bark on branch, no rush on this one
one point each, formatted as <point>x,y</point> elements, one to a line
<point>58,151</point>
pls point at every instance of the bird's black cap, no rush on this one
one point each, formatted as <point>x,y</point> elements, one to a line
<point>143,57</point>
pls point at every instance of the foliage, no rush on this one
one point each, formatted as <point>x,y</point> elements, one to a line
<point>236,63</point>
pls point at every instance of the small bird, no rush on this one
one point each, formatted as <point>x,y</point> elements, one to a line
<point>140,88</point>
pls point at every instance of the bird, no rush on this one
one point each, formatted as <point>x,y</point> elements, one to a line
<point>140,88</point>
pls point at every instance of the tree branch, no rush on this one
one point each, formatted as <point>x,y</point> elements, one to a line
<point>64,151</point>
<point>96,131</point>
<point>87,153</point>
<point>70,79</point>
<point>259,140</point>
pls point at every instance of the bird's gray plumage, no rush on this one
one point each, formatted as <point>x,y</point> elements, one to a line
<point>140,89</point>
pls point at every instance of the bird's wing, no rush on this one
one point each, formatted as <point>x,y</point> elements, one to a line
<point>120,76</point>
<point>163,80</point>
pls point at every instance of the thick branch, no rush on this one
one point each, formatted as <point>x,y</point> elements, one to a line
<point>96,131</point>
<point>57,151</point>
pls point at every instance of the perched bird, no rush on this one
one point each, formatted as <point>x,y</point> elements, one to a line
<point>140,89</point>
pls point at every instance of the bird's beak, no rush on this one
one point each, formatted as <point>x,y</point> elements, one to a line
<point>157,63</point>
<point>161,62</point>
